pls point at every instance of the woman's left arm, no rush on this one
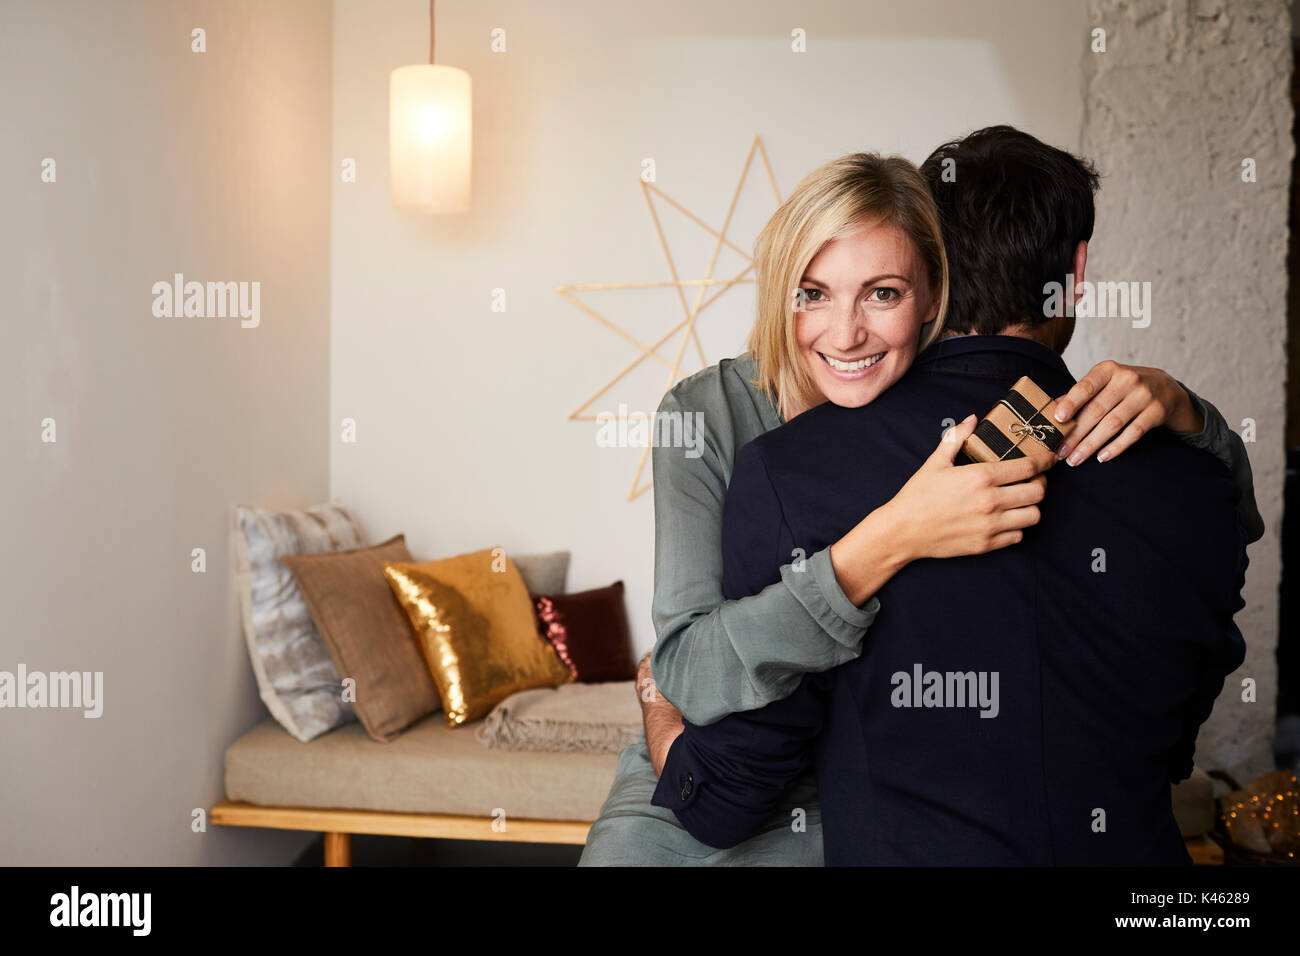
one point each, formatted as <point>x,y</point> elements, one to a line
<point>1121,403</point>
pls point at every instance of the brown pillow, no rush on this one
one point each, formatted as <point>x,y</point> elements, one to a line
<point>589,631</point>
<point>367,634</point>
<point>474,623</point>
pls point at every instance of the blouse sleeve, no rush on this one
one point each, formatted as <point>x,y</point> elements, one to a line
<point>1226,445</point>
<point>714,657</point>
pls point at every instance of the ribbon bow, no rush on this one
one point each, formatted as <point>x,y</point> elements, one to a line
<point>1021,429</point>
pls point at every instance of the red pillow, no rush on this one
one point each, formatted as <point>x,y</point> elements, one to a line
<point>589,632</point>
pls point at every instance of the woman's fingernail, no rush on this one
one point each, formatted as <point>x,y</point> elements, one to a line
<point>1059,414</point>
<point>1075,458</point>
<point>1062,453</point>
<point>1103,455</point>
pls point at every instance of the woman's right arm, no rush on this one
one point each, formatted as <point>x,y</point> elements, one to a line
<point>714,657</point>
<point>941,512</point>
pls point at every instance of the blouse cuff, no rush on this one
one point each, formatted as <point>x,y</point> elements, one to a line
<point>1205,438</point>
<point>817,589</point>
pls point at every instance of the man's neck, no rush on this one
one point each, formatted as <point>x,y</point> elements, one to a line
<point>1045,333</point>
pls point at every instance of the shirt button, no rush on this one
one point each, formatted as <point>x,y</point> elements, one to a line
<point>688,785</point>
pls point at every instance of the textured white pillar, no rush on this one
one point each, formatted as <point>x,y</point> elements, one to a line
<point>1183,94</point>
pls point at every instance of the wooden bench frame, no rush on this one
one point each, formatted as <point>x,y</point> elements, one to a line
<point>1204,851</point>
<point>339,825</point>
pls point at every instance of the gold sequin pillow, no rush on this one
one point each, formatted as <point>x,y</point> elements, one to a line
<point>474,623</point>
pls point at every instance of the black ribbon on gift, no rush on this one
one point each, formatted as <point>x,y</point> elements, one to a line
<point>1031,422</point>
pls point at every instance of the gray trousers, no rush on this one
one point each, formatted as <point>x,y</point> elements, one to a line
<point>631,832</point>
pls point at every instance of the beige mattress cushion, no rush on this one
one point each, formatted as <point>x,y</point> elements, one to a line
<point>433,769</point>
<point>430,768</point>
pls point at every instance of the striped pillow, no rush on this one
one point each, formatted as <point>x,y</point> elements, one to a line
<point>295,676</point>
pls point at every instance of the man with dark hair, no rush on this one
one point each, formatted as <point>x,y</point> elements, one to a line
<point>1032,205</point>
<point>1031,705</point>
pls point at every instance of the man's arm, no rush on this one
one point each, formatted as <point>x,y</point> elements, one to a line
<point>724,779</point>
<point>1219,660</point>
<point>663,721</point>
<point>1214,668</point>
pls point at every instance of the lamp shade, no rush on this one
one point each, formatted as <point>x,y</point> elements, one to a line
<point>429,139</point>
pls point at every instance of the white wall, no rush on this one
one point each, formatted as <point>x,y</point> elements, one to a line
<point>213,165</point>
<point>462,413</point>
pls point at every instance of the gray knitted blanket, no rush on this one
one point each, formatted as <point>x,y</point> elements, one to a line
<point>590,718</point>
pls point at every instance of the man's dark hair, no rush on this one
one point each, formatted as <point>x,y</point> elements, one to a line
<point>1012,210</point>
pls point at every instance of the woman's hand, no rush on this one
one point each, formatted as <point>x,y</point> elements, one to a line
<point>1123,400</point>
<point>946,510</point>
<point>943,511</point>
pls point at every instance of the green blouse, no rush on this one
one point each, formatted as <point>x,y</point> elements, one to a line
<point>714,657</point>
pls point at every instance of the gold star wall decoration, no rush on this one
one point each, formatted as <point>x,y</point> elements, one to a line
<point>686,327</point>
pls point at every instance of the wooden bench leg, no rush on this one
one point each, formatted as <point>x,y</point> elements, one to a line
<point>338,849</point>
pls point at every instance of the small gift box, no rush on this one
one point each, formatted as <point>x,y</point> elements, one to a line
<point>1020,426</point>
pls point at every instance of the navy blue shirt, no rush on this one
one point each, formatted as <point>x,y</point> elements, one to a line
<point>1030,706</point>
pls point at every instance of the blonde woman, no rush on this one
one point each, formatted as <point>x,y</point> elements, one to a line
<point>714,657</point>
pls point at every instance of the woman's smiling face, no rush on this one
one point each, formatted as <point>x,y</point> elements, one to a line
<point>864,299</point>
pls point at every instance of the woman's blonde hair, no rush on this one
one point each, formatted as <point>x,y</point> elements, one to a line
<point>834,201</point>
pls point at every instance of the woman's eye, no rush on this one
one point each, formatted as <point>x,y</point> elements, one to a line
<point>812,295</point>
<point>883,294</point>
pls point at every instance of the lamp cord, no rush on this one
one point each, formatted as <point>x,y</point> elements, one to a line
<point>430,31</point>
